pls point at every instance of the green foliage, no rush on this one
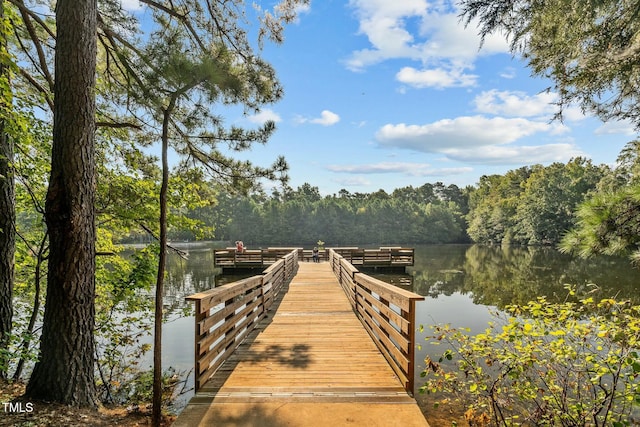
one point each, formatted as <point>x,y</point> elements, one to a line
<point>590,51</point>
<point>574,363</point>
<point>530,205</point>
<point>300,216</point>
<point>608,222</point>
<point>137,390</point>
<point>588,48</point>
<point>124,313</point>
<point>492,206</point>
<point>207,50</point>
<point>550,195</point>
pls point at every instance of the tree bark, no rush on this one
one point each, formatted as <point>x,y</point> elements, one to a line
<point>7,218</point>
<point>156,414</point>
<point>65,371</point>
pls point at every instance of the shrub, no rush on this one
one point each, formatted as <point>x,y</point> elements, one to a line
<point>568,364</point>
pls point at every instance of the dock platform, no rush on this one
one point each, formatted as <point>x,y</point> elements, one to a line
<point>309,362</point>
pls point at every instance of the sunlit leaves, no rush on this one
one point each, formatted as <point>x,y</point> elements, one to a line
<point>572,363</point>
<point>607,223</point>
<point>530,205</point>
<point>303,216</point>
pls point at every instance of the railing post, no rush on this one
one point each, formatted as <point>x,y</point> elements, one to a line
<point>196,353</point>
<point>264,300</point>
<point>356,287</point>
<point>231,330</point>
<point>412,346</point>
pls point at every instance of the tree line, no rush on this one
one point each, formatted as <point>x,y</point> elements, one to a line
<point>431,213</point>
<point>530,205</point>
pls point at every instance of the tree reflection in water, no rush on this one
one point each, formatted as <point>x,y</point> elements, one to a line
<point>461,283</point>
<point>499,276</point>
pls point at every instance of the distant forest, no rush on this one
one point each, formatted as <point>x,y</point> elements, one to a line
<point>531,205</point>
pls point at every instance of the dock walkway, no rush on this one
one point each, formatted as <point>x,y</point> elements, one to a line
<point>308,363</point>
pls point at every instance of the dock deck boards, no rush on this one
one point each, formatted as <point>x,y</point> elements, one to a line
<point>308,363</point>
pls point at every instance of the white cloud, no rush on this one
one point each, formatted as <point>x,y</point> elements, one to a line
<point>303,8</point>
<point>264,116</point>
<point>468,131</point>
<point>438,78</point>
<point>508,73</point>
<point>327,118</point>
<point>617,127</point>
<point>516,154</point>
<point>131,5</point>
<point>411,169</point>
<point>542,106</point>
<point>573,114</point>
<point>478,139</point>
<point>447,38</point>
<point>355,181</point>
<point>519,104</point>
<point>383,22</point>
<point>442,43</point>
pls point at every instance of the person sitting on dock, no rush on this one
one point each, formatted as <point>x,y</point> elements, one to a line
<point>315,255</point>
<point>239,246</point>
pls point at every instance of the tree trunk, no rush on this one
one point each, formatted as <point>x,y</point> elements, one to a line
<point>156,414</point>
<point>7,218</point>
<point>7,245</point>
<point>65,370</point>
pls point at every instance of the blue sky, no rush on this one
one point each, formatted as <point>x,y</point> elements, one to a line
<point>384,94</point>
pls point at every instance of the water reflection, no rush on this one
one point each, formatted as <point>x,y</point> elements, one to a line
<point>490,275</point>
<point>499,276</point>
<point>461,284</point>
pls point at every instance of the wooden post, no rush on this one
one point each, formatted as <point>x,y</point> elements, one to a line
<point>412,346</point>
<point>264,301</point>
<point>198,317</point>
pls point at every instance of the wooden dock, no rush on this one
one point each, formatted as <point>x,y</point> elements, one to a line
<point>384,257</point>
<point>308,362</point>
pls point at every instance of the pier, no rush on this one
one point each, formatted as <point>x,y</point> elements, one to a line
<point>305,344</point>
<point>383,257</point>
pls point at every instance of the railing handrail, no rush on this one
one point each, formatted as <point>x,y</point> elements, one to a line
<point>219,332</point>
<point>387,312</point>
<point>253,258</point>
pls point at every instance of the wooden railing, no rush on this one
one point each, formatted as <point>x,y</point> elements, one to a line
<point>245,259</point>
<point>381,257</point>
<point>260,258</point>
<point>387,313</point>
<point>225,315</point>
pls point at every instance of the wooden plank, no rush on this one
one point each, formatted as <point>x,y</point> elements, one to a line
<point>218,295</point>
<point>313,351</point>
<point>218,316</point>
<point>366,309</point>
<point>390,353</point>
<point>398,296</point>
<point>395,318</point>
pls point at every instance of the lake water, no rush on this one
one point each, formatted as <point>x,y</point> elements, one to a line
<point>461,283</point>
